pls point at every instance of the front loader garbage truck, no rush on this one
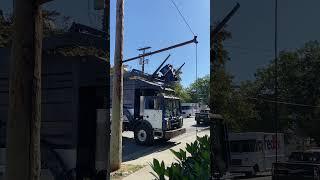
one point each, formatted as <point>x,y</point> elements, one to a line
<point>150,110</point>
<point>155,116</point>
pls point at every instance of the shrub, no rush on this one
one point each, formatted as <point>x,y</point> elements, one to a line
<point>195,166</point>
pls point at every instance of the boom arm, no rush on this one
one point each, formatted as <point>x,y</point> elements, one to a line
<point>194,40</point>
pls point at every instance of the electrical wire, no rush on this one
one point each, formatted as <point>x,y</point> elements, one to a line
<point>196,81</point>
<point>276,73</point>
<point>283,102</point>
<point>184,19</point>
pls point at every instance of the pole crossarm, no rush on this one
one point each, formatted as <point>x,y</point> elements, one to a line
<point>194,40</point>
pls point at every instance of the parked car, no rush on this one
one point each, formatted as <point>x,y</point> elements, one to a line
<point>203,116</point>
<point>300,165</point>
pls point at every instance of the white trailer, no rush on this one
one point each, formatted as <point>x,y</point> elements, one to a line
<point>189,109</point>
<point>253,152</point>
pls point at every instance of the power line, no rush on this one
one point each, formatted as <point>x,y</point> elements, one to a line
<point>248,48</point>
<point>284,102</point>
<point>276,73</point>
<point>184,19</point>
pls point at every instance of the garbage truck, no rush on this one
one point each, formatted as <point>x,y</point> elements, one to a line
<point>150,109</point>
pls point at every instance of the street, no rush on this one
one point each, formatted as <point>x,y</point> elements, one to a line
<point>132,151</point>
<point>142,155</point>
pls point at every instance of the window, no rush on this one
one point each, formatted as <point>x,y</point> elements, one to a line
<point>244,146</point>
<point>152,102</point>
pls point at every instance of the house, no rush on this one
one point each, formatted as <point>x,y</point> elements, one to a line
<point>74,86</point>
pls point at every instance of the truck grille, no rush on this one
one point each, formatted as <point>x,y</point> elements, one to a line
<point>236,162</point>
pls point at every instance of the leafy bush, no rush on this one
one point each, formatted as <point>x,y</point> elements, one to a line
<point>195,166</point>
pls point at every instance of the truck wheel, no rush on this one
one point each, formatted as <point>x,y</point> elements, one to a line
<point>143,134</point>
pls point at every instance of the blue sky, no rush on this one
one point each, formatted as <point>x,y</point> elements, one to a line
<point>158,24</point>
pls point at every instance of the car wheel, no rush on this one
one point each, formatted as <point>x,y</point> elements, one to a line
<point>143,134</point>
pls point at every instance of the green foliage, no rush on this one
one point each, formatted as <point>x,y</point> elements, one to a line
<point>298,83</point>
<point>199,90</point>
<point>181,93</point>
<point>195,166</point>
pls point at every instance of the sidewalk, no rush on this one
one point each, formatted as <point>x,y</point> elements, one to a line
<point>166,156</point>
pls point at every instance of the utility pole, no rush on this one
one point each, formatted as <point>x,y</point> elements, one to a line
<point>276,74</point>
<point>105,28</point>
<point>24,116</point>
<point>117,92</point>
<point>143,61</point>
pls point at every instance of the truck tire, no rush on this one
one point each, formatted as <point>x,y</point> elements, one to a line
<point>143,134</point>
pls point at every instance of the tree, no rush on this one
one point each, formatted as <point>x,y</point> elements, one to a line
<point>198,90</point>
<point>182,93</point>
<point>298,84</point>
<point>224,98</point>
<point>220,81</point>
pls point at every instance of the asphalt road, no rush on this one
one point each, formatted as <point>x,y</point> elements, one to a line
<point>132,151</point>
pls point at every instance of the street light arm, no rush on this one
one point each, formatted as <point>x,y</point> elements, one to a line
<point>194,40</point>
<point>225,20</point>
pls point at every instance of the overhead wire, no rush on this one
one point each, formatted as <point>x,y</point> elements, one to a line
<point>189,27</point>
<point>184,19</point>
<point>283,102</point>
<point>197,80</point>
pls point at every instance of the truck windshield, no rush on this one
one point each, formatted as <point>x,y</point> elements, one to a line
<point>246,146</point>
<point>186,107</point>
<point>172,107</point>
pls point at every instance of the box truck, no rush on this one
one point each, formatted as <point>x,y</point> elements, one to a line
<point>253,152</point>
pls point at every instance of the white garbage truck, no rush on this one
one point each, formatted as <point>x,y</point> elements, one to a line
<point>253,152</point>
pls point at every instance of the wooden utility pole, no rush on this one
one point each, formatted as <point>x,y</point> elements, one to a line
<point>23,129</point>
<point>117,92</point>
<point>143,61</point>
<point>105,28</point>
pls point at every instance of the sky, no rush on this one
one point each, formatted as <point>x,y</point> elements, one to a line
<point>158,24</point>
<point>252,28</point>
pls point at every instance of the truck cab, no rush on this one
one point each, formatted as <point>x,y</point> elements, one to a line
<point>156,116</point>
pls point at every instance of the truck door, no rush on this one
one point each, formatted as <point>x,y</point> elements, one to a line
<point>152,111</point>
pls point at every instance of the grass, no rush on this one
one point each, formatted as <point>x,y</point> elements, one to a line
<point>125,170</point>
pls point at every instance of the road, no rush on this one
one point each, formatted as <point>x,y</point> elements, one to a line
<point>137,154</point>
<point>132,151</point>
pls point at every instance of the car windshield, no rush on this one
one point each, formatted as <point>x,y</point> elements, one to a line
<point>305,156</point>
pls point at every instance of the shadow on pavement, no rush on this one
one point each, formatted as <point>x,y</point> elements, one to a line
<point>132,151</point>
<point>200,125</point>
<point>253,177</point>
